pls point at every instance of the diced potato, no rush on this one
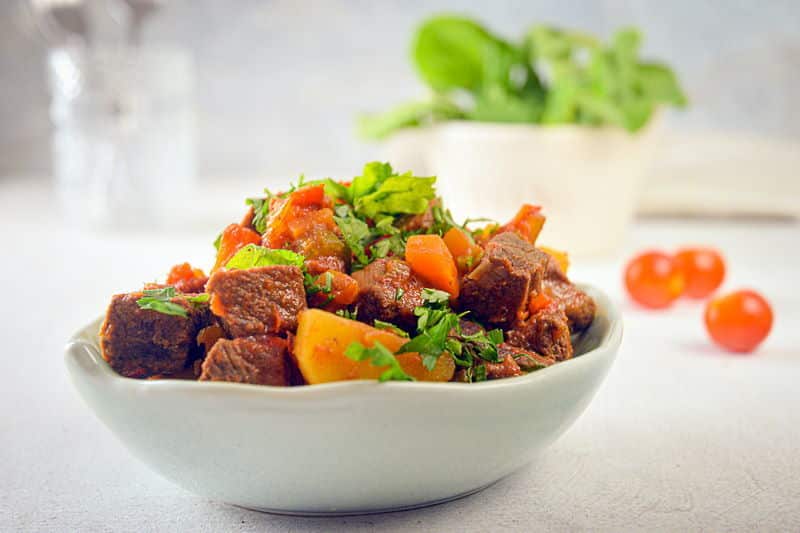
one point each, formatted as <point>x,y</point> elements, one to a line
<point>561,257</point>
<point>323,337</point>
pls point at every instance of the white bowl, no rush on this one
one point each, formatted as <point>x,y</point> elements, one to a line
<point>347,447</point>
<point>584,177</point>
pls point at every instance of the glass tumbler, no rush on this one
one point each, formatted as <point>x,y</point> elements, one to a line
<point>123,134</point>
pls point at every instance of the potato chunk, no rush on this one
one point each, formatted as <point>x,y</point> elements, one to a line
<point>323,337</point>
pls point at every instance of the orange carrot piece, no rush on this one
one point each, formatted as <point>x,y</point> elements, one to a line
<point>429,258</point>
<point>309,196</point>
<point>234,237</point>
<point>527,223</point>
<point>464,250</point>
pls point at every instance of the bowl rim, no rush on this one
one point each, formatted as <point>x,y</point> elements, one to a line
<point>82,355</point>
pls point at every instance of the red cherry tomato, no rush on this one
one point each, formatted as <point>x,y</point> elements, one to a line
<point>703,270</point>
<point>739,321</point>
<point>653,280</point>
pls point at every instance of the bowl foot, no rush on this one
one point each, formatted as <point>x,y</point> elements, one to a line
<point>334,513</point>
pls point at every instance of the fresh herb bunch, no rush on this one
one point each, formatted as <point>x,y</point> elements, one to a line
<point>551,76</point>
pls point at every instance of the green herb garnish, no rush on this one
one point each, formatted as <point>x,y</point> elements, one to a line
<point>378,355</point>
<point>345,313</point>
<point>160,300</point>
<point>260,212</point>
<point>355,232</point>
<point>252,256</point>
<point>380,324</point>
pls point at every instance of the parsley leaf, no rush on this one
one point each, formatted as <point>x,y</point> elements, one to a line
<point>435,296</point>
<point>388,326</point>
<point>479,373</point>
<point>160,300</point>
<point>260,212</point>
<point>378,355</point>
<point>371,177</point>
<point>405,194</point>
<point>252,256</point>
<point>435,320</point>
<point>345,313</point>
<point>355,233</point>
<point>199,298</point>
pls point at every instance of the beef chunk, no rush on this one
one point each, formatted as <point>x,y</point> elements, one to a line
<point>527,360</point>
<point>388,291</point>
<point>545,332</point>
<point>506,368</point>
<point>320,265</point>
<point>257,360</point>
<point>140,343</point>
<point>259,300</point>
<point>497,290</point>
<point>576,304</point>
<point>468,327</point>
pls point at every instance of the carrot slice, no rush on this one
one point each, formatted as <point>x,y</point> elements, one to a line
<point>429,258</point>
<point>464,250</point>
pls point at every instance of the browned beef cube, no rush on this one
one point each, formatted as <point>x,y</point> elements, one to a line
<point>506,368</point>
<point>388,291</point>
<point>259,300</point>
<point>545,332</point>
<point>527,360</point>
<point>497,290</point>
<point>257,360</point>
<point>576,304</point>
<point>320,265</point>
<point>140,343</point>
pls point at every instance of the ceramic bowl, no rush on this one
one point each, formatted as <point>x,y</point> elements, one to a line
<point>584,177</point>
<point>348,447</point>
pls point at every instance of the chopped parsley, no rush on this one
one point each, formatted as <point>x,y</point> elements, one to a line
<point>252,256</point>
<point>398,294</point>
<point>439,331</point>
<point>312,286</point>
<point>378,355</point>
<point>355,232</point>
<point>345,313</point>
<point>260,212</point>
<point>380,324</point>
<point>160,300</point>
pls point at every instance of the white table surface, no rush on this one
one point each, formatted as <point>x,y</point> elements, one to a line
<point>681,435</point>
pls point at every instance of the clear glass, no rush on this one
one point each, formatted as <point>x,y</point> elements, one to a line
<point>123,134</point>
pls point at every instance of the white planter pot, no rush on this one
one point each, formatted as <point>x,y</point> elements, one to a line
<point>586,179</point>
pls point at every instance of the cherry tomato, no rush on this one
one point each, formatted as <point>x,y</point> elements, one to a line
<point>739,321</point>
<point>703,270</point>
<point>653,280</point>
